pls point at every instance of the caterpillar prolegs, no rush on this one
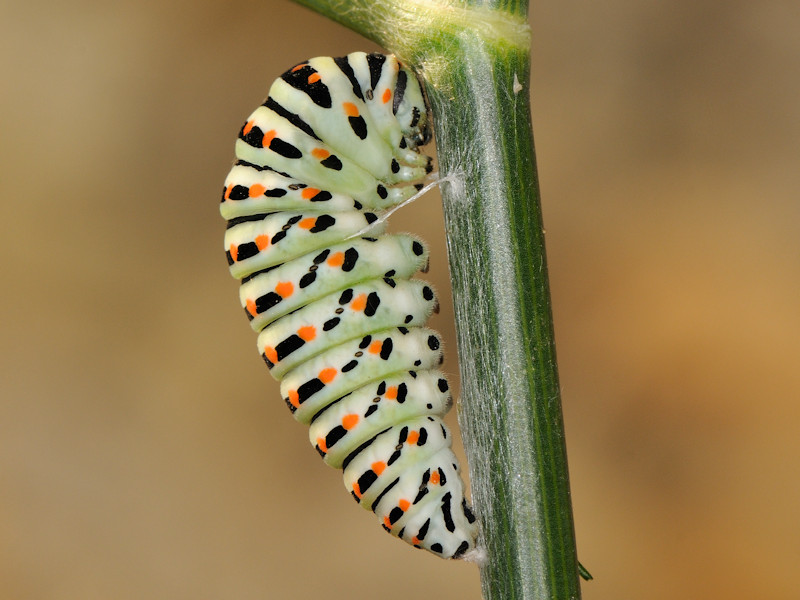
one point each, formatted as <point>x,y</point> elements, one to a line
<point>342,325</point>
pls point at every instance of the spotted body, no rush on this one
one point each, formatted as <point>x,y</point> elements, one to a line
<point>340,322</point>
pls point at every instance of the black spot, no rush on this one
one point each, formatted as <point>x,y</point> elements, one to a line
<point>370,410</point>
<point>390,273</point>
<point>254,137</point>
<point>307,279</point>
<point>395,166</point>
<point>322,196</point>
<point>417,248</point>
<point>436,548</point>
<point>463,547</point>
<point>322,223</point>
<point>365,341</point>
<point>350,259</point>
<point>331,324</point>
<point>334,435</point>
<point>402,392</point>
<point>427,293</point>
<point>423,436</point>
<point>285,149</point>
<point>350,366</point>
<point>359,126</point>
<point>381,388</point>
<point>319,258</point>
<point>382,192</point>
<point>433,342</point>
<point>408,318</point>
<point>346,296</point>
<point>309,388</point>
<point>370,217</point>
<point>278,237</point>
<point>373,302</point>
<point>246,250</point>
<point>238,192</point>
<point>267,301</point>
<point>275,193</point>
<point>332,162</point>
<point>442,384</point>
<point>386,349</point>
<point>390,282</point>
<point>289,345</point>
<point>402,330</point>
<point>395,514</point>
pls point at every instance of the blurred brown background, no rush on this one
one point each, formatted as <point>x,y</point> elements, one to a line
<point>144,452</point>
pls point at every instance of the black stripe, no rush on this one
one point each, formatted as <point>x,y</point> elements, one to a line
<point>317,91</point>
<point>375,62</point>
<point>344,65</point>
<point>293,118</point>
<point>399,90</point>
<point>366,444</point>
<point>383,493</point>
<point>448,518</point>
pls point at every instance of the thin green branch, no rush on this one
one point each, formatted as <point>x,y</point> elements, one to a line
<point>475,60</point>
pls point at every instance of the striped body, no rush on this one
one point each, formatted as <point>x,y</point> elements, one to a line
<point>340,322</point>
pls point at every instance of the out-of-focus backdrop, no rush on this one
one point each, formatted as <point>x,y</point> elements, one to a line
<point>144,451</point>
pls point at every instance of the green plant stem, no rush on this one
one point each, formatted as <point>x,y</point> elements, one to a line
<point>476,62</point>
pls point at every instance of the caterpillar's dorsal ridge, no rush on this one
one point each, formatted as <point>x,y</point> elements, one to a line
<point>320,165</point>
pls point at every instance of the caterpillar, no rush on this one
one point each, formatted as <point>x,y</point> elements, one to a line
<point>340,321</point>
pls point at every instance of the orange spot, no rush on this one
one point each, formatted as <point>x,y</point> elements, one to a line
<point>314,78</point>
<point>294,398</point>
<point>350,109</point>
<point>298,67</point>
<point>387,95</point>
<point>309,193</point>
<point>256,190</point>
<point>268,137</point>
<point>307,333</point>
<point>415,541</point>
<point>251,308</point>
<point>413,437</point>
<point>271,355</point>
<point>284,289</point>
<point>228,192</point>
<point>435,478</point>
<point>375,347</point>
<point>327,375</point>
<point>404,504</point>
<point>391,393</point>
<point>322,445</point>
<point>360,303</point>
<point>336,260</point>
<point>357,490</point>
<point>349,421</point>
<point>262,241</point>
<point>247,127</point>
<point>307,223</point>
<point>378,467</point>
<point>234,252</point>
<point>387,522</point>
<point>320,153</point>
